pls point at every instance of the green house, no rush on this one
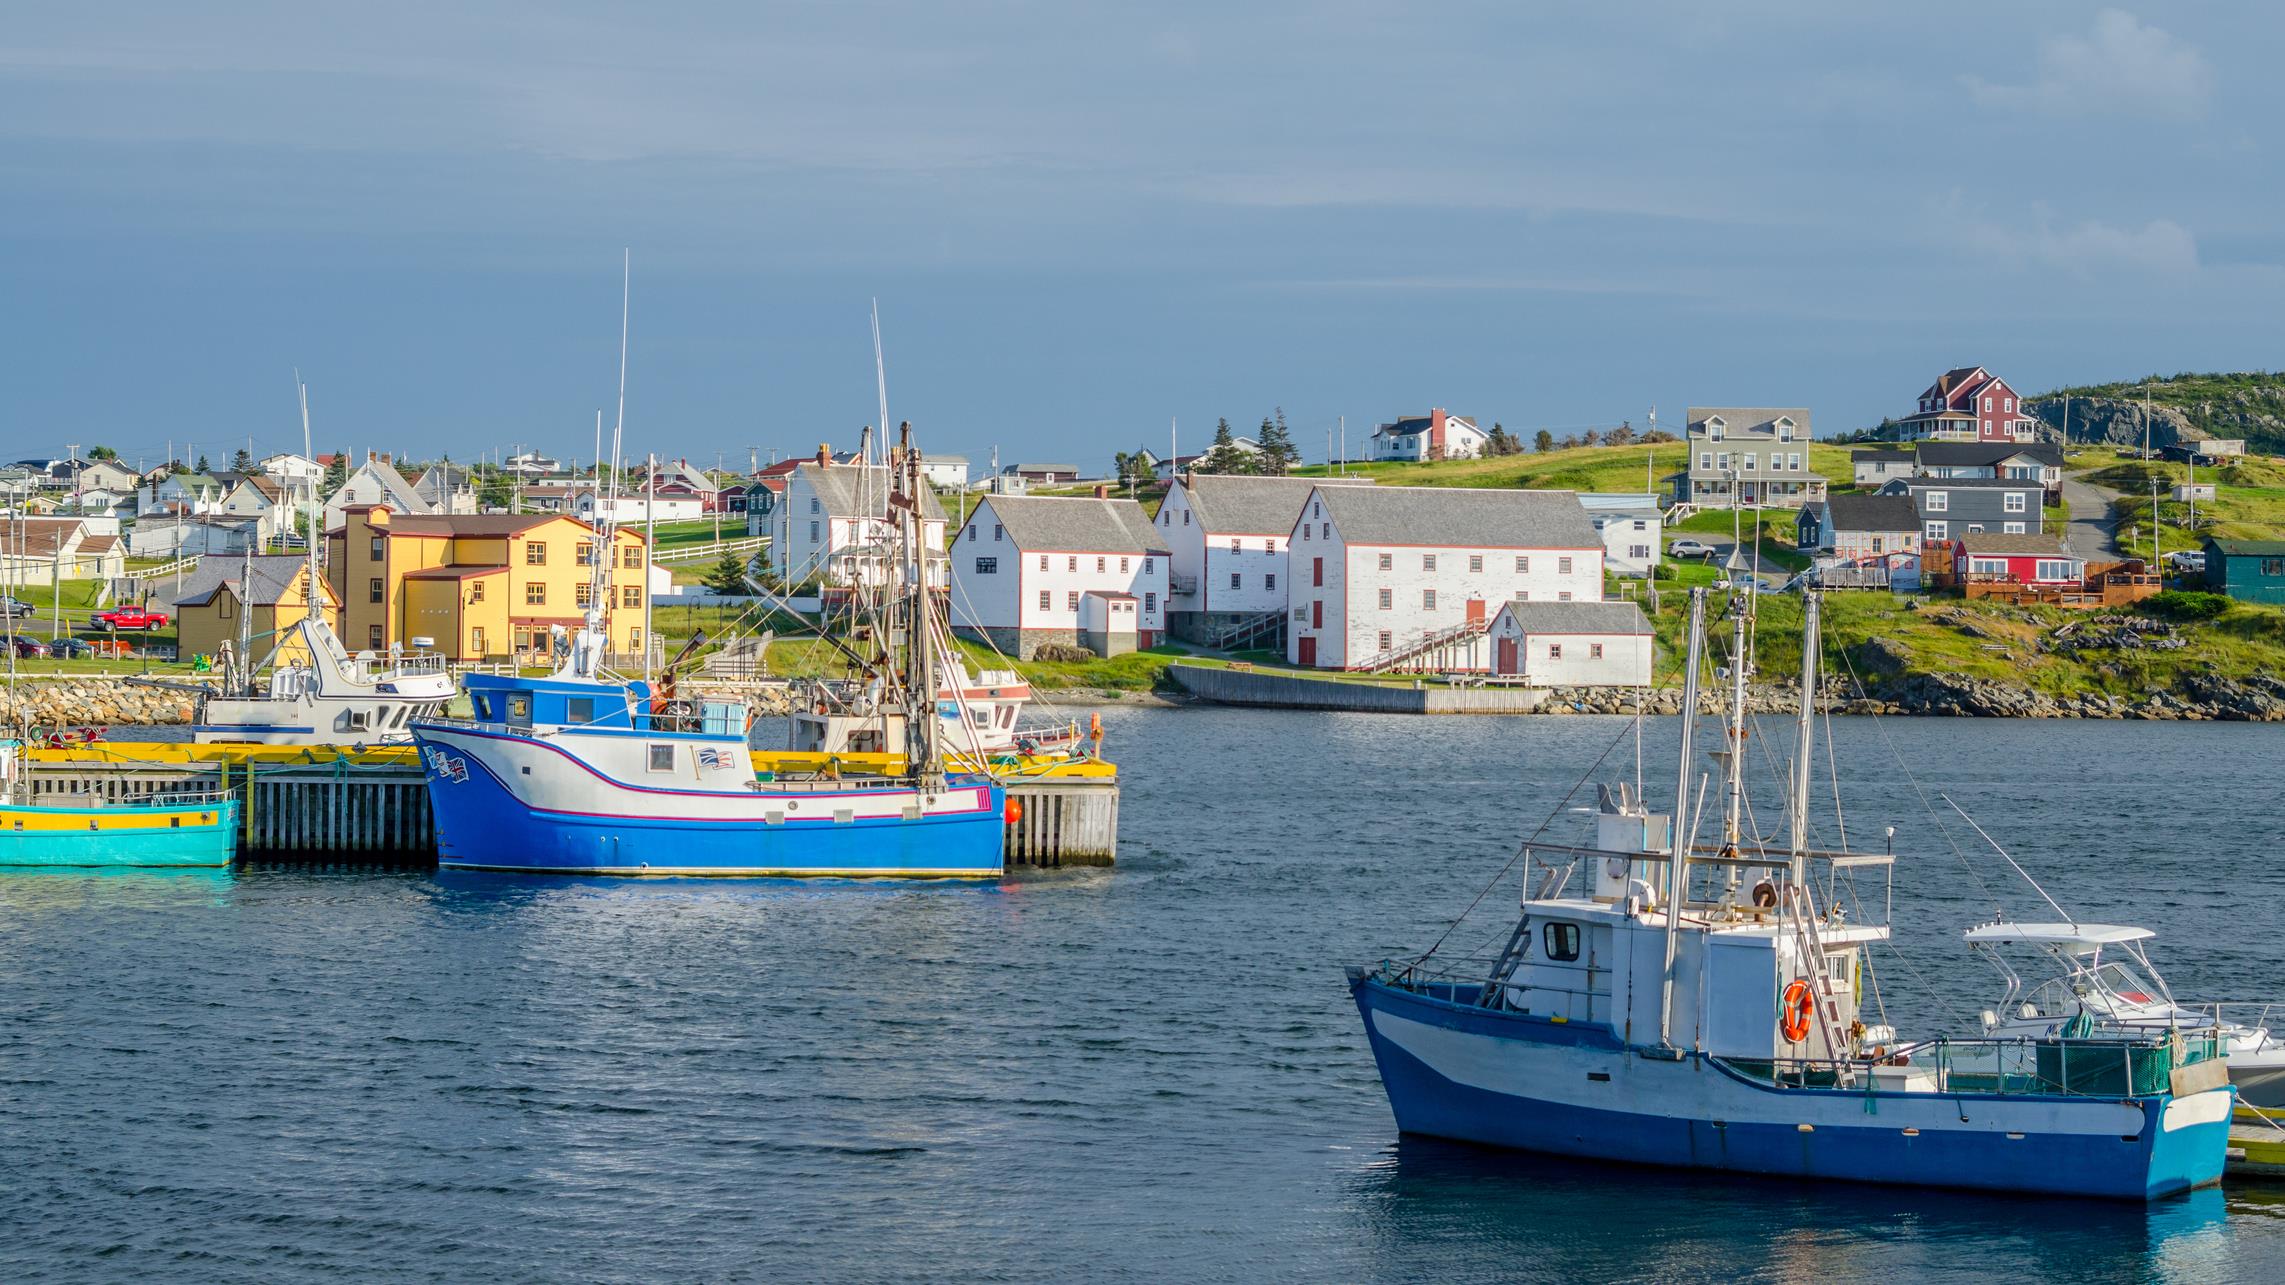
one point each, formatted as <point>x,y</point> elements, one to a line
<point>2247,570</point>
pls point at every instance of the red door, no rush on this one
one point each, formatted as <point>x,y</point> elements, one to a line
<point>1308,653</point>
<point>1506,656</point>
<point>1317,571</point>
<point>1475,610</point>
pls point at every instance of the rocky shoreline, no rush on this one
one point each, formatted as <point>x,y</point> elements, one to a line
<point>96,702</point>
<point>2204,699</point>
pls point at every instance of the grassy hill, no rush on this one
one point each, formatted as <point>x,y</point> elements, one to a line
<point>1633,467</point>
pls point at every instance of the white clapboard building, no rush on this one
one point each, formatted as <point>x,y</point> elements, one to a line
<point>1572,644</point>
<point>1379,572</point>
<point>832,525</point>
<point>1228,538</point>
<point>1631,524</point>
<point>1023,567</point>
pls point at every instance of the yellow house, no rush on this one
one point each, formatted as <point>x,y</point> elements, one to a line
<point>207,612</point>
<point>478,586</point>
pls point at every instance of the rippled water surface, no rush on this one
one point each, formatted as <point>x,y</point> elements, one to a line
<point>1151,1073</point>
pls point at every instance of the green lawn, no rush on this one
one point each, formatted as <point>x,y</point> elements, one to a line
<point>2248,503</point>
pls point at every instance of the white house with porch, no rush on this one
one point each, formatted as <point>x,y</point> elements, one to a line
<point>833,525</point>
<point>1384,576</point>
<point>1573,644</point>
<point>1025,567</point>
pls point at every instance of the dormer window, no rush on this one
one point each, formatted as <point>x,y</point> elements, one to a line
<point>1785,430</point>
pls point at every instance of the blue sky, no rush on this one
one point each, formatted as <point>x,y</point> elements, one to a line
<point>1084,221</point>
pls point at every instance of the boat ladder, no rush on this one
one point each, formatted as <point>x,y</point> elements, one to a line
<point>1799,909</point>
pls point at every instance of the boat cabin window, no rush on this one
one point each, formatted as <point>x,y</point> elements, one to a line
<point>579,710</point>
<point>519,710</point>
<point>2127,984</point>
<point>485,708</point>
<point>1562,941</point>
<point>662,758</point>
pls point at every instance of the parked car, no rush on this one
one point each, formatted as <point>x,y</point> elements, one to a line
<point>71,648</point>
<point>15,607</point>
<point>29,648</point>
<point>2186,562</point>
<point>130,618</point>
<point>1689,548</point>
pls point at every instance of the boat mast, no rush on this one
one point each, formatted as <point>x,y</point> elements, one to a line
<point>1803,735</point>
<point>1741,661</point>
<point>925,753</point>
<point>313,598</point>
<point>1677,865</point>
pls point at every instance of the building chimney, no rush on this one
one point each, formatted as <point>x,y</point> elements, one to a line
<point>1102,490</point>
<point>824,455</point>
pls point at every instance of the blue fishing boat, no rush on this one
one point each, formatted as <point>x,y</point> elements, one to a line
<point>581,773</point>
<point>180,829</point>
<point>1667,1002</point>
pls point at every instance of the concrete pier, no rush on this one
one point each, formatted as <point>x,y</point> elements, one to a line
<point>1290,691</point>
<point>375,802</point>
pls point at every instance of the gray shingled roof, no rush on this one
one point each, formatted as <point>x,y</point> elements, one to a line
<point>1460,517</point>
<point>1874,513</point>
<point>1751,419</point>
<point>1954,454</point>
<point>1996,542</point>
<point>1883,455</point>
<point>837,487</point>
<point>1579,617</point>
<point>1961,483</point>
<point>1228,504</point>
<point>272,573</point>
<point>1078,524</point>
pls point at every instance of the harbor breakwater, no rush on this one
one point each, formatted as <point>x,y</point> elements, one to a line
<point>96,702</point>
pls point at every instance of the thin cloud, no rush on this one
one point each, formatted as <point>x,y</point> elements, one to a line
<point>2122,66</point>
<point>2087,247</point>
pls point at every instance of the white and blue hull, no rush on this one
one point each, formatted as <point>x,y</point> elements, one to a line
<point>1457,1070</point>
<point>586,804</point>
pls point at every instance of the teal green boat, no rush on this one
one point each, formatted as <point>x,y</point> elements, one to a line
<point>160,830</point>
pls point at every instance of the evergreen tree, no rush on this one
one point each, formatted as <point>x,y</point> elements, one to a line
<point>337,472</point>
<point>101,453</point>
<point>1225,456</point>
<point>202,465</point>
<point>1543,441</point>
<point>728,577</point>
<point>242,462</point>
<point>1278,454</point>
<point>498,491</point>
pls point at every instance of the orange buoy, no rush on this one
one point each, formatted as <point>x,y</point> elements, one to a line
<point>1793,1010</point>
<point>1014,811</point>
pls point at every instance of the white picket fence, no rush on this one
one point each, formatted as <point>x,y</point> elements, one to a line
<point>749,546</point>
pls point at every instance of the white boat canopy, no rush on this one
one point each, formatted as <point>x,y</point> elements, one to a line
<point>2073,936</point>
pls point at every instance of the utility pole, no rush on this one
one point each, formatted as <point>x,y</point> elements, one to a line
<point>716,480</point>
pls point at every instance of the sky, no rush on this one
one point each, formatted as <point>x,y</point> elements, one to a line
<point>1085,224</point>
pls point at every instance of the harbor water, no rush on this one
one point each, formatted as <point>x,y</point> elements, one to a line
<point>352,1071</point>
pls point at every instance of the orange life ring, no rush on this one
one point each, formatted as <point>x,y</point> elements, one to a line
<point>1793,1011</point>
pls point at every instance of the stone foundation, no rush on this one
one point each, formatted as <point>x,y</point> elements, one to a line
<point>1018,644</point>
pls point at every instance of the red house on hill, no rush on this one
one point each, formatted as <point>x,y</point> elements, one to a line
<point>1970,404</point>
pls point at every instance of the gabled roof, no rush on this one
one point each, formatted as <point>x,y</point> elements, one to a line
<point>1757,420</point>
<point>1973,454</point>
<point>1460,517</point>
<point>1075,524</point>
<point>1956,384</point>
<point>1616,617</point>
<point>1884,513</point>
<point>837,489</point>
<point>43,537</point>
<point>396,492</point>
<point>1231,504</point>
<point>1880,455</point>
<point>2043,545</point>
<point>273,575</point>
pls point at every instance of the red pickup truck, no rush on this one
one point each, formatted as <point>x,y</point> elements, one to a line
<point>130,618</point>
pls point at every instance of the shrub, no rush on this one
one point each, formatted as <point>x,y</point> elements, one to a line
<point>2186,604</point>
<point>1663,571</point>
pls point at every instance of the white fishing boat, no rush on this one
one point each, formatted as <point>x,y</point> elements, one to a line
<point>309,689</point>
<point>2090,988</point>
<point>978,717</point>
<point>1707,1005</point>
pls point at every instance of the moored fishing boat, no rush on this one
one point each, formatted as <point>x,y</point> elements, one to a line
<point>174,829</point>
<point>1699,1006</point>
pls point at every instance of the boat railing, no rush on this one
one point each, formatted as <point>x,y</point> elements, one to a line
<point>2118,1066</point>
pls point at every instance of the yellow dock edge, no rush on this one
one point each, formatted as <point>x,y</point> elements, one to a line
<point>1010,765</point>
<point>185,754</point>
